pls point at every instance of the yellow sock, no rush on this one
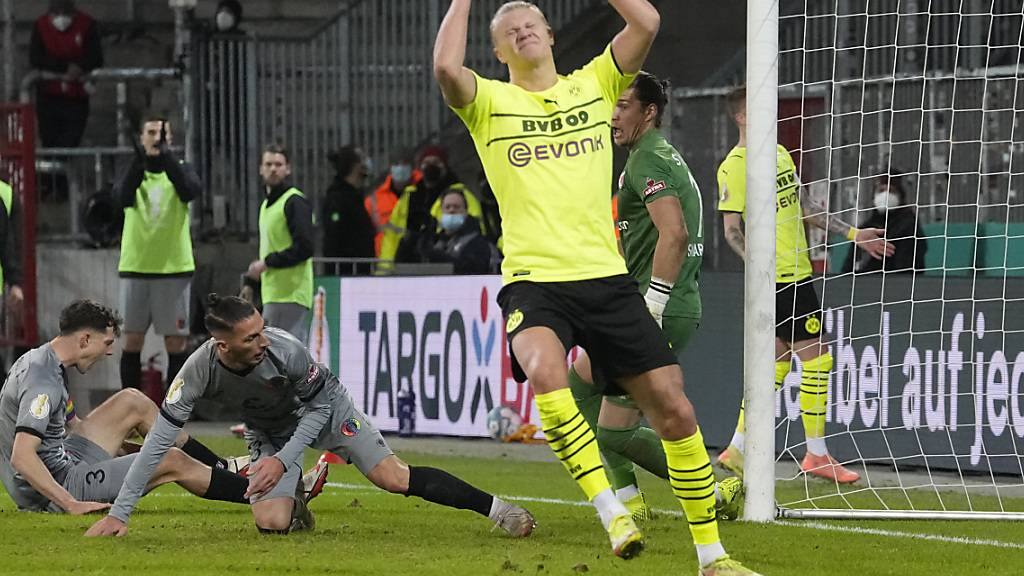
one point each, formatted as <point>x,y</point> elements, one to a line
<point>814,394</point>
<point>781,370</point>
<point>572,440</point>
<point>693,483</point>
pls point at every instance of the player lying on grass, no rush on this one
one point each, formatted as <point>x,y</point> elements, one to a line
<point>662,232</point>
<point>288,402</point>
<point>45,469</point>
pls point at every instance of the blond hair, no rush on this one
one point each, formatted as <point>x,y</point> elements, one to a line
<point>516,5</point>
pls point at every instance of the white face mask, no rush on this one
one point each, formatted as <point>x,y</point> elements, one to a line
<point>61,21</point>
<point>886,201</point>
<point>225,20</point>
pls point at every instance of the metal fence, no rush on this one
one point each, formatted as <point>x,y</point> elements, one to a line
<point>364,77</point>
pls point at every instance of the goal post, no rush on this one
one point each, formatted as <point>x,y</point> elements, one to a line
<point>759,275</point>
<point>909,117</point>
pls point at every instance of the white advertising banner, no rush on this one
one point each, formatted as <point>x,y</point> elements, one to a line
<point>443,338</point>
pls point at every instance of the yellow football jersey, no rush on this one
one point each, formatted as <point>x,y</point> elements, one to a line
<point>548,158</point>
<point>792,262</point>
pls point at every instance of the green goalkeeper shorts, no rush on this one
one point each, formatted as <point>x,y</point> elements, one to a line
<point>679,331</point>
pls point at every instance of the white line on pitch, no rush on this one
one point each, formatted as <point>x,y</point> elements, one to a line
<point>789,523</point>
<point>898,534</point>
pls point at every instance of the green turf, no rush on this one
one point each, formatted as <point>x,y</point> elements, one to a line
<point>365,531</point>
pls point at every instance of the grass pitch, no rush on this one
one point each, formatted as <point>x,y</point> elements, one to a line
<point>362,530</point>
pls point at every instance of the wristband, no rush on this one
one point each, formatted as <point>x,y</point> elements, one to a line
<point>851,235</point>
<point>659,290</point>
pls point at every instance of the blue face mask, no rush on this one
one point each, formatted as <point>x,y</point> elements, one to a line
<point>401,174</point>
<point>452,222</point>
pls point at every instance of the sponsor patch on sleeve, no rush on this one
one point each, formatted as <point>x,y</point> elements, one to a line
<point>653,187</point>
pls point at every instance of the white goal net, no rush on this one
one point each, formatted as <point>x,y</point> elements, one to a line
<point>906,115</point>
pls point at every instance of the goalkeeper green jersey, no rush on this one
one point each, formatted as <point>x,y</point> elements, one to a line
<point>655,170</point>
<point>792,263</point>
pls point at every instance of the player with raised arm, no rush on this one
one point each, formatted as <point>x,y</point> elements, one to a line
<point>44,468</point>
<point>797,308</point>
<point>288,403</point>
<point>543,140</point>
<point>661,225</point>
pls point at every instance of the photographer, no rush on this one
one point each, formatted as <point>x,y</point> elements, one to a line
<point>156,249</point>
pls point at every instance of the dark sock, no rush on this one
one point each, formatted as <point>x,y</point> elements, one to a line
<point>174,363</point>
<point>227,487</point>
<point>131,370</point>
<point>440,487</point>
<point>195,449</point>
<point>269,531</point>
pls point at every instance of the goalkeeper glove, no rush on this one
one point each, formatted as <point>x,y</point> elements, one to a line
<point>658,292</point>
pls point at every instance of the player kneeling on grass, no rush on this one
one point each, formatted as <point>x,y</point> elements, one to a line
<point>45,469</point>
<point>288,402</point>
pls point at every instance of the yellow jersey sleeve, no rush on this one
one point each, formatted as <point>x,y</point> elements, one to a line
<point>606,73</point>
<point>476,113</point>
<point>732,184</point>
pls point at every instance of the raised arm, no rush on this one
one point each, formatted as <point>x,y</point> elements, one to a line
<point>458,84</point>
<point>630,46</point>
<point>871,240</point>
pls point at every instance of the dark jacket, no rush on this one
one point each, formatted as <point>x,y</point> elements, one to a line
<point>51,50</point>
<point>348,229</point>
<point>182,175</point>
<point>466,249</point>
<point>904,232</point>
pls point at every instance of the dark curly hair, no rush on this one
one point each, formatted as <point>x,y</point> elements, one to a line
<point>89,315</point>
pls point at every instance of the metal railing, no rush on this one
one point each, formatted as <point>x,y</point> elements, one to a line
<point>71,175</point>
<point>378,267</point>
<point>363,77</point>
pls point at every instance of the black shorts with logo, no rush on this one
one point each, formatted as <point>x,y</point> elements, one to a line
<point>607,317</point>
<point>797,311</point>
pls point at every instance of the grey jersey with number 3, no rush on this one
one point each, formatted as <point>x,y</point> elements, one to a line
<point>286,394</point>
<point>33,400</point>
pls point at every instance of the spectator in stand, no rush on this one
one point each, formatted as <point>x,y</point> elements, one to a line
<point>382,201</point>
<point>490,220</point>
<point>348,230</point>
<point>419,208</point>
<point>459,240</point>
<point>228,17</point>
<point>893,213</point>
<point>65,42</point>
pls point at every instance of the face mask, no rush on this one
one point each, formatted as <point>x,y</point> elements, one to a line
<point>885,201</point>
<point>401,174</point>
<point>452,222</point>
<point>225,21</point>
<point>61,21</point>
<point>432,173</point>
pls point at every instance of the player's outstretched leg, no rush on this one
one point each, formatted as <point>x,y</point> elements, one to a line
<point>659,394</point>
<point>130,412</point>
<point>440,487</point>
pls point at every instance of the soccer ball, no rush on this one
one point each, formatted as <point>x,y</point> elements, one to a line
<point>503,421</point>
